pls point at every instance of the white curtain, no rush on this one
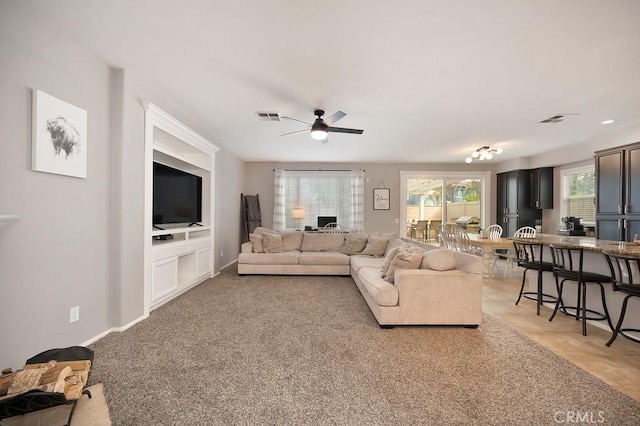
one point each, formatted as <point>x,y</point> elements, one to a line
<point>357,201</point>
<point>279,201</point>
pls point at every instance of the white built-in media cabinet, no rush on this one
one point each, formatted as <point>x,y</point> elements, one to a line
<point>172,266</point>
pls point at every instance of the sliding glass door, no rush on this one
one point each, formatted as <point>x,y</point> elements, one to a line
<point>435,198</point>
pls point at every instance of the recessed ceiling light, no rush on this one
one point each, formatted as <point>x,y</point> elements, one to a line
<point>608,121</point>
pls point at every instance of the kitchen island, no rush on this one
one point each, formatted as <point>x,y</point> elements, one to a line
<point>594,261</point>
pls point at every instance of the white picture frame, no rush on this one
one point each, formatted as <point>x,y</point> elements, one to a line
<point>381,198</point>
<point>59,136</point>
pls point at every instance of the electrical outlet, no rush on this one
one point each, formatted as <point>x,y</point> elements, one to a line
<point>74,314</point>
<point>221,253</point>
<point>397,220</point>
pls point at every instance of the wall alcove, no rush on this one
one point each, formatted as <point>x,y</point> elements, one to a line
<point>172,266</point>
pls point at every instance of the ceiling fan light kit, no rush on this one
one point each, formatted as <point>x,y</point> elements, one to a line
<point>483,153</point>
<point>321,127</point>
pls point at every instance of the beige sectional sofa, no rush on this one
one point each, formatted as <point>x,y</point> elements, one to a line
<point>403,282</point>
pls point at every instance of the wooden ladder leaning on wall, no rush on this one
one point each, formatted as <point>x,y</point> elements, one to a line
<point>251,216</point>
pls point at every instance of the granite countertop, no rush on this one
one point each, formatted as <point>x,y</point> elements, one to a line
<point>591,244</point>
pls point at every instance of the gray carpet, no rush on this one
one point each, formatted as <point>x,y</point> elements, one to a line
<point>307,350</point>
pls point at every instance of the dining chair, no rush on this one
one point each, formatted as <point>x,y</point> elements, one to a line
<point>447,238</point>
<point>434,229</point>
<point>494,231</point>
<point>421,230</point>
<point>463,243</point>
<point>332,228</point>
<point>625,276</point>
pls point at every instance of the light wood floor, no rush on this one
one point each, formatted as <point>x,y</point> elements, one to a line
<point>618,365</point>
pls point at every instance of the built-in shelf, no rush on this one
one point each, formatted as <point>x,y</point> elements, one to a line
<point>7,217</point>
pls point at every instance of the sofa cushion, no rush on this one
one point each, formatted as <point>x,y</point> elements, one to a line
<point>256,243</point>
<point>358,262</point>
<point>382,292</point>
<point>285,258</point>
<point>291,240</point>
<point>439,260</point>
<point>323,258</point>
<point>319,241</point>
<point>409,258</point>
<point>376,246</point>
<point>354,244</point>
<point>272,242</point>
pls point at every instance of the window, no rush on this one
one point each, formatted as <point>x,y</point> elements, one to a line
<point>578,193</point>
<point>319,193</point>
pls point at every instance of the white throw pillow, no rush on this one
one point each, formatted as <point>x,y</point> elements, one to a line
<point>404,259</point>
<point>354,244</point>
<point>376,247</point>
<point>256,243</point>
<point>272,243</point>
<point>389,258</point>
<point>439,260</point>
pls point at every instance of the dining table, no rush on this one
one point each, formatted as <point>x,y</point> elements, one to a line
<point>487,246</point>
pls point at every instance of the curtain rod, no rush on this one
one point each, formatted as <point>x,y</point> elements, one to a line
<point>319,170</point>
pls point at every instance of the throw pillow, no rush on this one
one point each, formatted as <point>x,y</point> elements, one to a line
<point>260,230</point>
<point>439,260</point>
<point>291,241</point>
<point>272,242</point>
<point>389,257</point>
<point>375,247</point>
<point>354,244</point>
<point>404,259</point>
<point>256,243</point>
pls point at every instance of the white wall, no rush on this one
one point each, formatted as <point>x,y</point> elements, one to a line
<point>57,255</point>
<point>79,242</point>
<point>259,180</point>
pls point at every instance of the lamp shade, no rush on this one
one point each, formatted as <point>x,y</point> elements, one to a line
<point>297,213</point>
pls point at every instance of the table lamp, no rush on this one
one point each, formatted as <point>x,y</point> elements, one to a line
<point>298,215</point>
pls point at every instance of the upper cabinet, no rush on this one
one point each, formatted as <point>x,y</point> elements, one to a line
<point>617,192</point>
<point>541,188</point>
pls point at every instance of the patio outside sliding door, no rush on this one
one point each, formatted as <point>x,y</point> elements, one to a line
<point>432,199</point>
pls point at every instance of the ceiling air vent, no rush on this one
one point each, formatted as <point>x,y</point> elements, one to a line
<point>558,118</point>
<point>268,116</point>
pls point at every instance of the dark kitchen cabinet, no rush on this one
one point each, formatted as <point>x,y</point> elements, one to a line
<point>514,202</point>
<point>618,193</point>
<point>541,188</point>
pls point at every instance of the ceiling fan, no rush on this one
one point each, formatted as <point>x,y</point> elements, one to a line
<point>321,127</point>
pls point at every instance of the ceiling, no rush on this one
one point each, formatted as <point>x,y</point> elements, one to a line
<point>427,80</point>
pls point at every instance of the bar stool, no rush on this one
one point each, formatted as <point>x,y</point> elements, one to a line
<point>566,268</point>
<point>527,258</point>
<point>625,275</point>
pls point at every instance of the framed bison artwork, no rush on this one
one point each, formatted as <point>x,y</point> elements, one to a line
<point>59,136</point>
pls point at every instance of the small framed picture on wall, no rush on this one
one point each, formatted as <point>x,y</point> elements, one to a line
<point>381,198</point>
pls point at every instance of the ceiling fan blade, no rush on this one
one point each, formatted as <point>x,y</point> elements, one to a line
<point>295,119</point>
<point>296,132</point>
<point>344,130</point>
<point>334,117</point>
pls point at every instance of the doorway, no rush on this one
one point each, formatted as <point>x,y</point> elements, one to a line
<point>431,199</point>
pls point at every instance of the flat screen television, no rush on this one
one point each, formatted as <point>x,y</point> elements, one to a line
<point>177,196</point>
<point>324,220</point>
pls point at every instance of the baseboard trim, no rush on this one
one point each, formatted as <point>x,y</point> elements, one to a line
<point>227,265</point>
<point>112,329</point>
